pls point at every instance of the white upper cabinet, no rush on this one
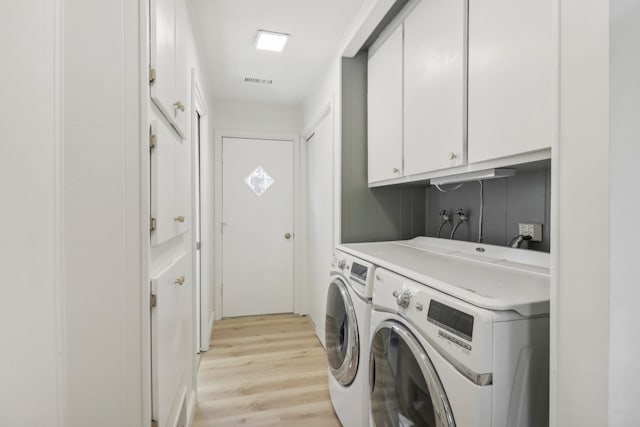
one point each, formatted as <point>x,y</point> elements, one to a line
<point>384,104</point>
<point>513,75</point>
<point>182,70</point>
<point>435,35</point>
<point>167,61</point>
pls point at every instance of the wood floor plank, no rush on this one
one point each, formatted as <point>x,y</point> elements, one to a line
<point>264,371</point>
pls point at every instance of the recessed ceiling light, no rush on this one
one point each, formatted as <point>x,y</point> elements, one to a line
<point>268,40</point>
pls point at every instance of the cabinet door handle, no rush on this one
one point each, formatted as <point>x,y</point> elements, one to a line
<point>179,105</point>
<point>396,170</point>
<point>179,281</point>
<point>179,218</point>
<point>452,156</point>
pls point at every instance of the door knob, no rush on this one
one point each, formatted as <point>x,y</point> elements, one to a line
<point>287,236</point>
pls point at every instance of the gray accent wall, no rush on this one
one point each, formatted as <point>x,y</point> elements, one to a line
<point>403,212</point>
<point>370,214</point>
<point>525,197</point>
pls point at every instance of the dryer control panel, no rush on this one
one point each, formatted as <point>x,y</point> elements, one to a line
<point>358,272</point>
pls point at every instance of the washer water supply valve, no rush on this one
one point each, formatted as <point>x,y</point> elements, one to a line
<point>444,219</point>
<point>462,217</point>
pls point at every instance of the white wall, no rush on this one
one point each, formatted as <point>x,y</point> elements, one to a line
<point>74,327</point>
<point>102,212</point>
<point>580,218</point>
<point>30,216</point>
<point>70,187</point>
<point>255,117</point>
<point>624,350</point>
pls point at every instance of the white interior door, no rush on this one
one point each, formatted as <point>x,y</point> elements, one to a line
<point>320,211</point>
<point>257,226</point>
<point>201,311</point>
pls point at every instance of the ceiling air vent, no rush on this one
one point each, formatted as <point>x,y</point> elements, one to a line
<point>259,81</point>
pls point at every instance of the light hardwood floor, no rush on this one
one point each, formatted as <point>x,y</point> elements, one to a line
<point>264,371</point>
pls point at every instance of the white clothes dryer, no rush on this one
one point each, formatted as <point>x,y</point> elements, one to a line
<point>459,335</point>
<point>347,332</point>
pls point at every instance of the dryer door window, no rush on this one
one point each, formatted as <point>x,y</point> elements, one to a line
<point>404,387</point>
<point>341,334</point>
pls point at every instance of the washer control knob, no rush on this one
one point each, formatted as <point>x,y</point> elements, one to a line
<point>403,299</point>
<point>419,306</point>
<point>342,264</point>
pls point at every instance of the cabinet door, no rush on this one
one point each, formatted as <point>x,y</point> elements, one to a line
<point>384,110</point>
<point>163,183</point>
<point>182,207</point>
<point>512,77</point>
<point>434,86</point>
<point>170,332</point>
<point>182,74</point>
<point>162,54</point>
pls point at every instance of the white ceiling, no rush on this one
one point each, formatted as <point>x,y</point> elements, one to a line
<point>226,31</point>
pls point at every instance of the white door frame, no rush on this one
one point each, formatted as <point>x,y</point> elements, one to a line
<point>299,286</point>
<point>203,290</point>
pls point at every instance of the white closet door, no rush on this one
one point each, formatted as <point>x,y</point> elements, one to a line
<point>434,86</point>
<point>384,111</point>
<point>320,208</point>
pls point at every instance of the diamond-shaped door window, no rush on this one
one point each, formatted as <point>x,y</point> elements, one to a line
<point>259,181</point>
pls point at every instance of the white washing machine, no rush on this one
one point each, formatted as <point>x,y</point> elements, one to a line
<point>459,334</point>
<point>347,332</point>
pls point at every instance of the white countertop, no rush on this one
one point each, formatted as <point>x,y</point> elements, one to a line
<point>487,276</point>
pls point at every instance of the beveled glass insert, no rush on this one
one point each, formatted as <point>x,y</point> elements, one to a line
<point>259,181</point>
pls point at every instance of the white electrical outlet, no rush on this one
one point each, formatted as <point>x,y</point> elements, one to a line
<point>533,230</point>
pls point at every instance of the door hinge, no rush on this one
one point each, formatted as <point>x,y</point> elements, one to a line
<point>154,423</point>
<point>153,300</point>
<point>152,225</point>
<point>152,75</point>
<point>152,141</point>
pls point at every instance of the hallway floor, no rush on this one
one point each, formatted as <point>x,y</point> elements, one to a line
<point>264,371</point>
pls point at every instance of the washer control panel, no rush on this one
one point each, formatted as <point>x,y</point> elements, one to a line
<point>454,327</point>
